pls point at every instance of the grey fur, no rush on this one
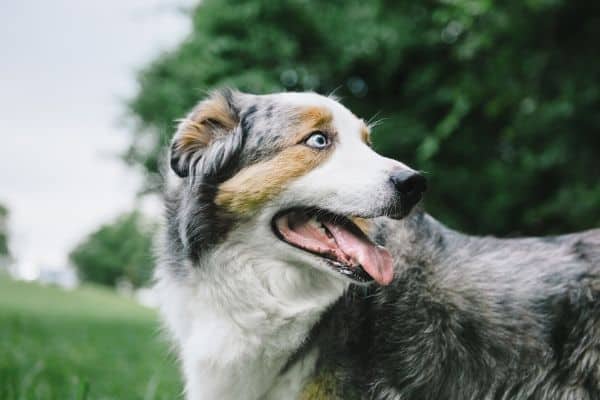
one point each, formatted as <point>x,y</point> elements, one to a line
<point>470,318</point>
<point>465,318</point>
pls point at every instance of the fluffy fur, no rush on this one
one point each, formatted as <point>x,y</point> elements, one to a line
<point>255,318</point>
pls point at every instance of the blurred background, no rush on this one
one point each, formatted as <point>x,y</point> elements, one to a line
<point>499,102</point>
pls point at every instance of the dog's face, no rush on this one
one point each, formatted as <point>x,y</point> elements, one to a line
<point>298,163</point>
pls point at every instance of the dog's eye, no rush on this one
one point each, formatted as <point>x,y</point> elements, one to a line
<point>318,140</point>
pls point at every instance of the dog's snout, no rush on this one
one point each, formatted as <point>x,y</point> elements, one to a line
<point>410,186</point>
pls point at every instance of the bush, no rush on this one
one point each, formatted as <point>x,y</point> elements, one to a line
<point>119,250</point>
<point>497,101</point>
<point>4,250</point>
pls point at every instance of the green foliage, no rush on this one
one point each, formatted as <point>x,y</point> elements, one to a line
<point>4,251</point>
<point>497,101</point>
<point>122,249</point>
<point>84,344</point>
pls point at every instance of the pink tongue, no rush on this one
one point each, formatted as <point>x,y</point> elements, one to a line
<point>375,260</point>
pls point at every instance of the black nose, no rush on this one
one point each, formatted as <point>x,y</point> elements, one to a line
<point>410,187</point>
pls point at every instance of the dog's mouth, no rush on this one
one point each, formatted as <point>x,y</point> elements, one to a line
<point>338,240</point>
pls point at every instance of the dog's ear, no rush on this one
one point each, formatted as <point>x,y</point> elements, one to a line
<point>207,139</point>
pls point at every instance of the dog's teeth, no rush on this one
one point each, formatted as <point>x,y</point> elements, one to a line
<point>313,222</point>
<point>316,224</point>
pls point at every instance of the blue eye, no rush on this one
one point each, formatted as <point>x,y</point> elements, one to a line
<point>317,140</point>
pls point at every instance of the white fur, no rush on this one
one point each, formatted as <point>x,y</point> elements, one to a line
<point>238,317</point>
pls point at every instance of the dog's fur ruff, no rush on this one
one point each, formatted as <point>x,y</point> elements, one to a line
<point>255,318</point>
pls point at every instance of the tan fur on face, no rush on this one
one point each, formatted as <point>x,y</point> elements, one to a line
<point>212,117</point>
<point>365,134</point>
<point>255,185</point>
<point>316,116</point>
<point>311,119</point>
<point>259,183</point>
<point>193,136</point>
<point>363,224</point>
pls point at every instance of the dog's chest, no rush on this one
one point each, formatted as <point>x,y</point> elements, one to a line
<point>222,359</point>
<point>236,346</point>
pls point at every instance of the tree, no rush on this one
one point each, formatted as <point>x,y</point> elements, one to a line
<point>496,101</point>
<point>121,249</point>
<point>4,250</point>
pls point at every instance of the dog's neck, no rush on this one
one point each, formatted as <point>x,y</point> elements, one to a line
<point>240,315</point>
<point>415,240</point>
<point>264,295</point>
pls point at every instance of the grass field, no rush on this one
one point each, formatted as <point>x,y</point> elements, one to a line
<point>88,343</point>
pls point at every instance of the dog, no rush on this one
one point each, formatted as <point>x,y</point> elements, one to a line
<point>297,263</point>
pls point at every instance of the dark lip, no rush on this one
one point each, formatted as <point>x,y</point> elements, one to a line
<point>355,273</point>
<point>402,211</point>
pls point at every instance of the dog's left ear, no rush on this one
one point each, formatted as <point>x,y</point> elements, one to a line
<point>208,139</point>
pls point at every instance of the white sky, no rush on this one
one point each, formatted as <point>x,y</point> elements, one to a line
<point>66,67</point>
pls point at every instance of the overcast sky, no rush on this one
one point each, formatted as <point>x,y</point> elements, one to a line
<point>66,67</point>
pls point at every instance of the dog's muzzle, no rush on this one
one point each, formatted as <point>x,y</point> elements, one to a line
<point>410,186</point>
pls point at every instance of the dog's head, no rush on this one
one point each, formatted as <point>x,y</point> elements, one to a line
<point>294,173</point>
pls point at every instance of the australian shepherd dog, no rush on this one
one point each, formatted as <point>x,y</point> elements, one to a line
<point>297,263</point>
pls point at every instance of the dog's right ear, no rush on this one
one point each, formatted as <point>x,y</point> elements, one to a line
<point>212,120</point>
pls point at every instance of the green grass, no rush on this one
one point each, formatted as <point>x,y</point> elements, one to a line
<point>88,343</point>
